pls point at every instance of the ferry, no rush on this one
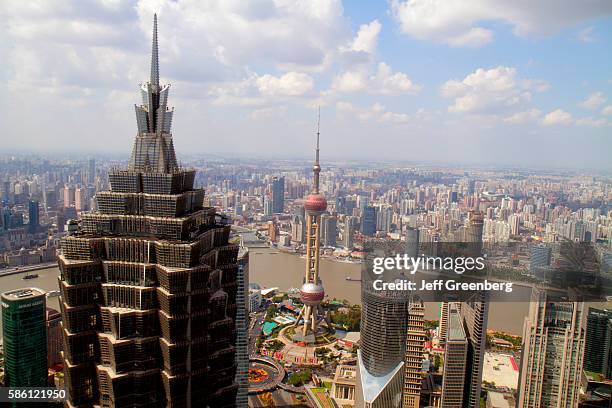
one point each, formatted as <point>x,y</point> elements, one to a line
<point>30,276</point>
<point>350,278</point>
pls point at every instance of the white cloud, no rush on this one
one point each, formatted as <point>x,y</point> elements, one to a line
<point>557,117</point>
<point>367,37</point>
<point>592,122</point>
<point>376,112</point>
<point>476,37</point>
<point>487,91</point>
<point>529,116</point>
<point>290,84</point>
<point>383,82</point>
<point>607,110</point>
<point>457,22</point>
<point>593,101</point>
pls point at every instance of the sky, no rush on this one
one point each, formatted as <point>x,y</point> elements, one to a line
<point>495,82</point>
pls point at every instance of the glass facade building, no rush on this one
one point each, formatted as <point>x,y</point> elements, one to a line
<point>24,332</point>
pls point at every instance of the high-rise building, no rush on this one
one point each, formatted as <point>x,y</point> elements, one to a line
<point>278,195</point>
<point>413,363</point>
<point>242,327</point>
<point>455,362</point>
<point>540,258</point>
<point>552,355</point>
<point>53,320</point>
<point>329,224</point>
<point>69,192</point>
<point>348,232</point>
<point>312,291</point>
<point>368,221</point>
<point>598,347</point>
<point>25,338</point>
<point>380,360</point>
<point>92,171</point>
<point>474,315</point>
<point>412,242</point>
<point>34,216</point>
<point>148,282</point>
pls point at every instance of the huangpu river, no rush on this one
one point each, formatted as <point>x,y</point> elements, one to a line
<point>272,268</point>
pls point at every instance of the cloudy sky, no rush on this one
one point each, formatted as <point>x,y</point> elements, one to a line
<point>517,82</point>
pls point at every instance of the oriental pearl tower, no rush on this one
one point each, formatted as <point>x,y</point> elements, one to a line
<point>312,291</point>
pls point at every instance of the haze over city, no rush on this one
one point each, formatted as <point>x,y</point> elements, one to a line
<point>508,83</point>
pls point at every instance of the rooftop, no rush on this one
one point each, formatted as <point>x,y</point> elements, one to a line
<point>23,293</point>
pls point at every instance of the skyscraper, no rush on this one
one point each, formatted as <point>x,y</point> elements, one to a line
<point>413,363</point>
<point>455,361</point>
<point>412,242</point>
<point>312,292</point>
<point>278,195</point>
<point>380,360</point>
<point>474,315</point>
<point>598,347</point>
<point>242,327</point>
<point>552,355</point>
<point>148,282</point>
<point>25,338</point>
<point>368,221</point>
<point>34,216</point>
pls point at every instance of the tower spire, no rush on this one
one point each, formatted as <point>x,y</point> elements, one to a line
<point>316,169</point>
<point>155,56</point>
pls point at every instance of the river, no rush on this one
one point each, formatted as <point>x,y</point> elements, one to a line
<point>272,268</point>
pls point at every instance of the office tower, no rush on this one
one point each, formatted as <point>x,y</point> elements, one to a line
<point>412,242</point>
<point>413,362</point>
<point>380,360</point>
<point>312,291</point>
<point>552,355</point>
<point>148,282</point>
<point>455,362</point>
<point>242,327</point>
<point>368,221</point>
<point>329,224</point>
<point>92,171</point>
<point>347,233</point>
<point>341,205</point>
<point>34,216</point>
<point>540,258</point>
<point>53,320</point>
<point>25,338</point>
<point>598,342</point>
<point>474,314</point>
<point>474,232</point>
<point>278,195</point>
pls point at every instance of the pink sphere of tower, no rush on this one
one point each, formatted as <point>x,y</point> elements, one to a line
<point>312,293</point>
<point>315,203</point>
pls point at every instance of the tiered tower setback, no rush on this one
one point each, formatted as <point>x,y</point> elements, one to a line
<point>148,283</point>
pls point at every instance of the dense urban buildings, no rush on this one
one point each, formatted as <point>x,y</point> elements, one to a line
<point>148,282</point>
<point>25,338</point>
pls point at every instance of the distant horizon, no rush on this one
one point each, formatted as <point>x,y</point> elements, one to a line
<point>184,156</point>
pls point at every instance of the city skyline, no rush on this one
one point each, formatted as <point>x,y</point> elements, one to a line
<point>453,88</point>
